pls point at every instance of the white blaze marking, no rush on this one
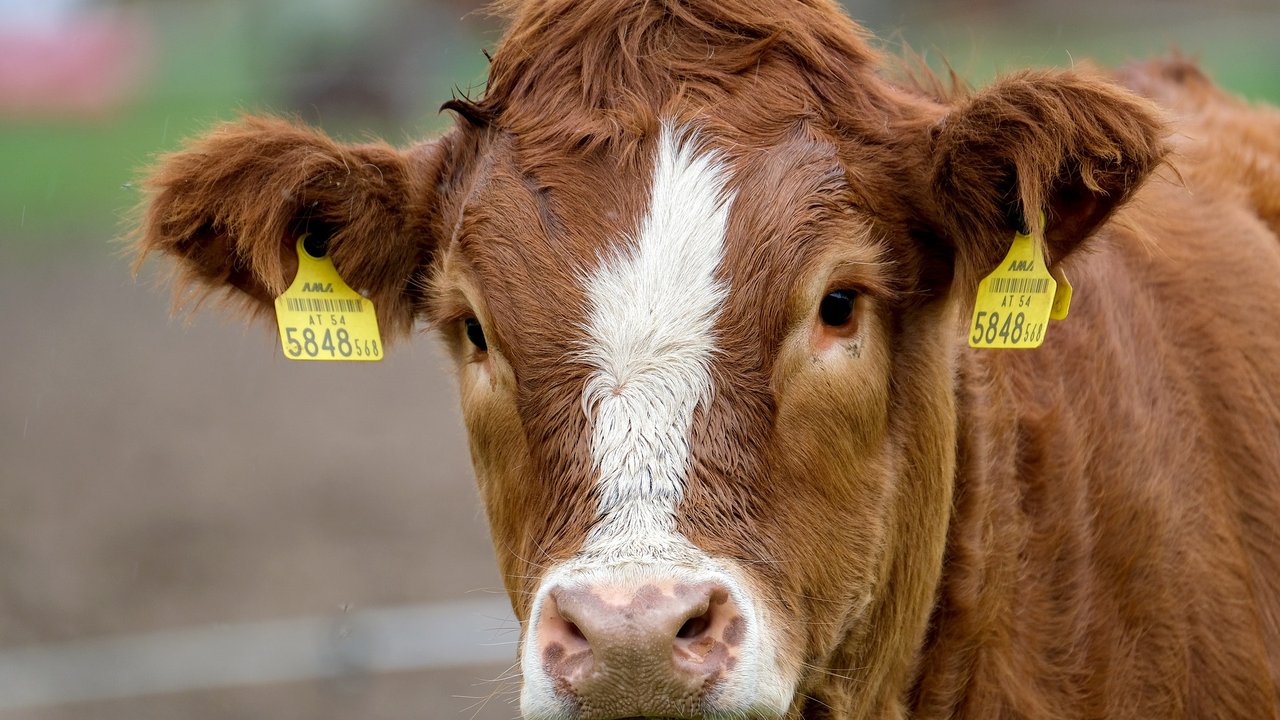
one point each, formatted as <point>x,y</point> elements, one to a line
<point>651,339</point>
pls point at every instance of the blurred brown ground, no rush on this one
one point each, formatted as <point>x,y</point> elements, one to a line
<point>156,475</point>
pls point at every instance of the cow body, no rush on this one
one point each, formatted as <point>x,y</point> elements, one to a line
<point>706,275</point>
<point>1111,551</point>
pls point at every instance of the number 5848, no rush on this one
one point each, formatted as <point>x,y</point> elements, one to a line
<point>990,326</point>
<point>334,344</point>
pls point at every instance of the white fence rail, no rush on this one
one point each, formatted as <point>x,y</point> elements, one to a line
<point>417,637</point>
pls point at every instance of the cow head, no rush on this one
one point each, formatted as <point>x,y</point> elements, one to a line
<point>701,269</point>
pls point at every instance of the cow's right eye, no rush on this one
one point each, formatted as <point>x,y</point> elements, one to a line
<point>475,334</point>
<point>836,309</point>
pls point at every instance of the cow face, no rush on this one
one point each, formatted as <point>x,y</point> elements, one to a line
<point>677,377</point>
<point>670,387</point>
<point>705,324</point>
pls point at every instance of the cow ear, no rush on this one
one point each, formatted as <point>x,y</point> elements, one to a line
<point>1066,143</point>
<point>230,206</point>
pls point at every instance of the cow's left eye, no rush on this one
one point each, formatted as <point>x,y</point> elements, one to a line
<point>475,334</point>
<point>836,309</point>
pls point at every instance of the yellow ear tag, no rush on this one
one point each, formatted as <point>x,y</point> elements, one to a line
<point>1015,301</point>
<point>322,318</point>
<point>1061,298</point>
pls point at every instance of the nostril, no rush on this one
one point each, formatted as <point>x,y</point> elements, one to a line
<point>707,643</point>
<point>694,626</point>
<point>561,627</point>
<point>564,648</point>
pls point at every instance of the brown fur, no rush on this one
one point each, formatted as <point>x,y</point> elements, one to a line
<point>1082,531</point>
<point>232,205</point>
<point>1057,140</point>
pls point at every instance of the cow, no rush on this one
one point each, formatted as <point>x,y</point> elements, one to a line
<point>707,271</point>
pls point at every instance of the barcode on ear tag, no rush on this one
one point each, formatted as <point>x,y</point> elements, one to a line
<point>321,318</point>
<point>1015,301</point>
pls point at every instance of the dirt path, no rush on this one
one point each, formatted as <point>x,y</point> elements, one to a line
<point>155,475</point>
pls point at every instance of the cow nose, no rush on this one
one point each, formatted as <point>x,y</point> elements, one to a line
<point>653,651</point>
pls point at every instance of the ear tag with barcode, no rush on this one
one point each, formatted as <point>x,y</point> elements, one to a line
<point>1015,301</point>
<point>322,318</point>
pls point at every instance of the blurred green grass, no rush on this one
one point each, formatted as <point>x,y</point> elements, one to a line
<point>67,183</point>
<point>66,186</point>
<point>1240,50</point>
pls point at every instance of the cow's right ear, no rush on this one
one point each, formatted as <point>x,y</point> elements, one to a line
<point>1066,143</point>
<point>230,206</point>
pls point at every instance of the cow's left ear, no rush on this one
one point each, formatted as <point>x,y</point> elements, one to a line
<point>1067,143</point>
<point>230,206</point>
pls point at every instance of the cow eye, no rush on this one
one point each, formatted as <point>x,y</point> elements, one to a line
<point>475,334</point>
<point>836,309</point>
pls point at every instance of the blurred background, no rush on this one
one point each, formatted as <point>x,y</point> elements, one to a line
<point>191,526</point>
